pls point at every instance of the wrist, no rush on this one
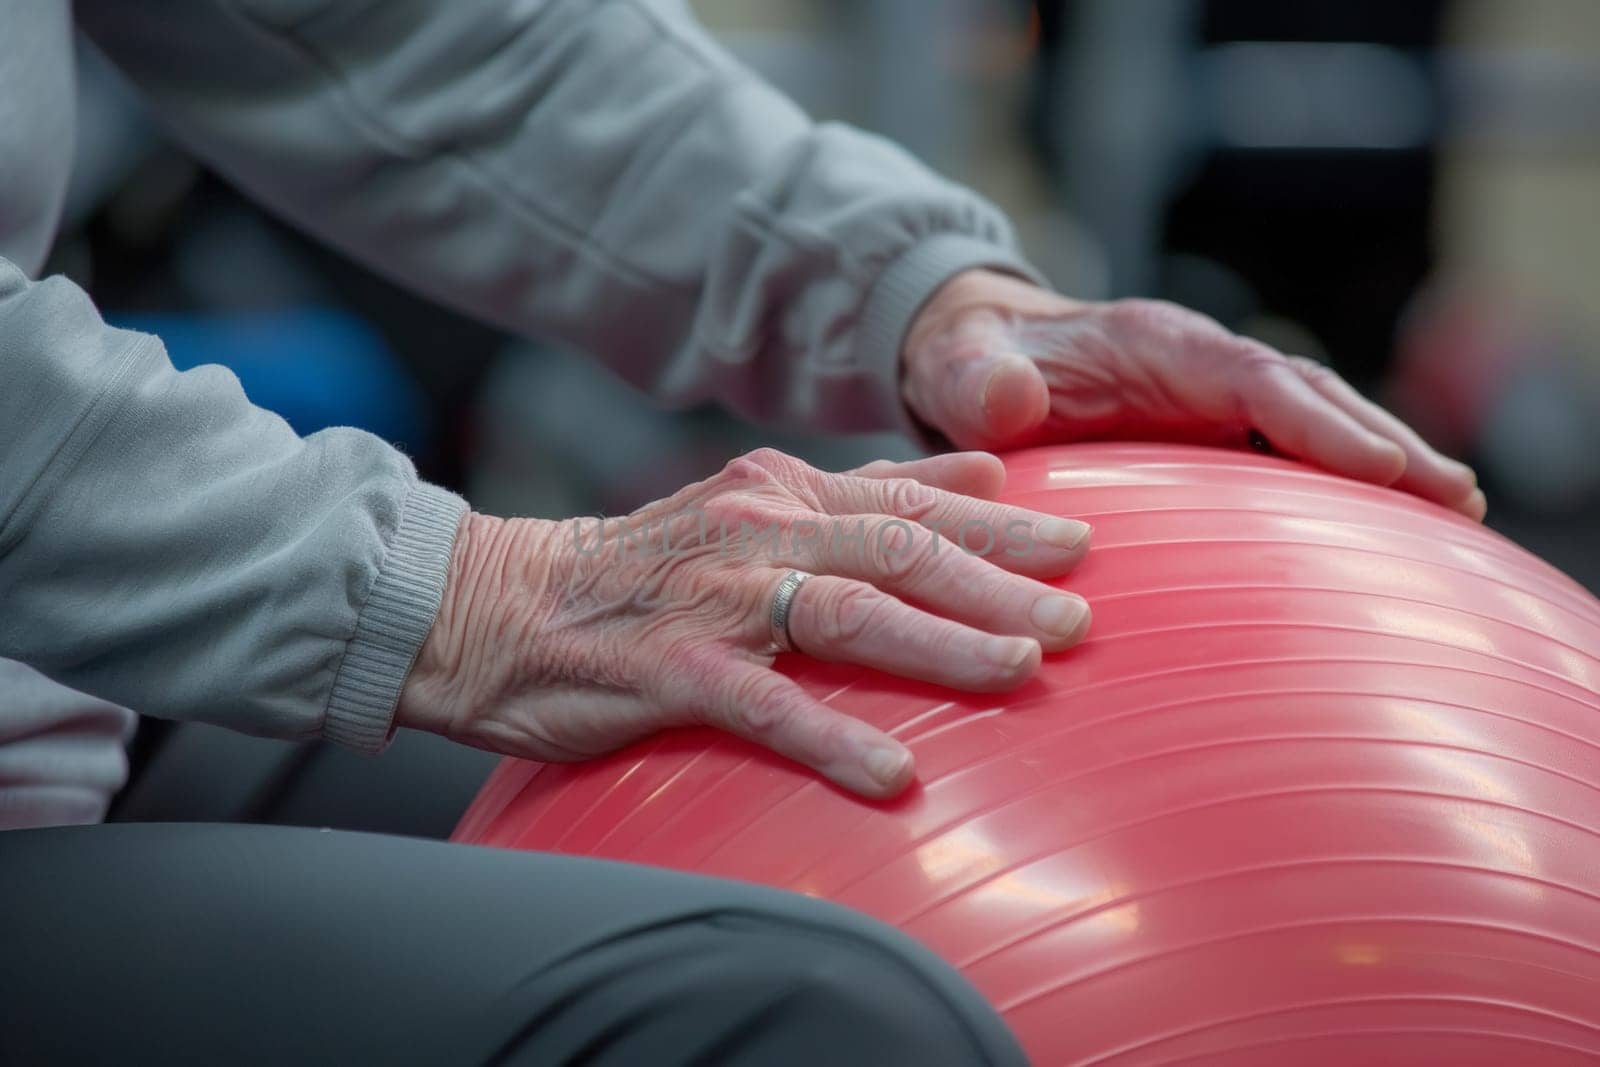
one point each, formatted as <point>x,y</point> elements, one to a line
<point>493,595</point>
<point>983,289</point>
<point>961,292</point>
<point>395,617</point>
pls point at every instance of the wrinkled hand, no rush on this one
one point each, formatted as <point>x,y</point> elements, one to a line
<point>558,641</point>
<point>994,362</point>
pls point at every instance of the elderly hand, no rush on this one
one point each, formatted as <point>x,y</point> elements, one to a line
<point>992,361</point>
<point>563,640</point>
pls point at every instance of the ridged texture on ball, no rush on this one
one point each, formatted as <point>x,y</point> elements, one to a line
<point>1322,787</point>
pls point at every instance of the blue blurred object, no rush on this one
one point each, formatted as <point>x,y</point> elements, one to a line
<point>317,367</point>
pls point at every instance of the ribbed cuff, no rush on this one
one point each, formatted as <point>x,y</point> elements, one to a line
<point>395,621</point>
<point>904,288</point>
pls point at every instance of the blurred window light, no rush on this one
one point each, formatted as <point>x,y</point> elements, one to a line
<point>1524,97</point>
<point>1269,94</point>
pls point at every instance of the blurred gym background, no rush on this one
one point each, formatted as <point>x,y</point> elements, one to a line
<point>1408,191</point>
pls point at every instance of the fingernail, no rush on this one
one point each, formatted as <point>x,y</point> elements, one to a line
<point>989,397</point>
<point>1397,456</point>
<point>887,765</point>
<point>1062,533</point>
<point>1007,652</point>
<point>1057,615</point>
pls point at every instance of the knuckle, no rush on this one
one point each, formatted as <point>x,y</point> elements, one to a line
<point>1258,359</point>
<point>693,660</point>
<point>1136,313</point>
<point>732,510</point>
<point>776,464</point>
<point>1160,318</point>
<point>768,457</point>
<point>757,711</point>
<point>793,477</point>
<point>684,671</point>
<point>892,552</point>
<point>1312,371</point>
<point>848,611</point>
<point>909,498</point>
<point>748,471</point>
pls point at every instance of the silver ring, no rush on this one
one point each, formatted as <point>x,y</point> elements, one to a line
<point>778,618</point>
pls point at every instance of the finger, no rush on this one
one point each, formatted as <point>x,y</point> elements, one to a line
<point>1028,542</point>
<point>849,621</point>
<point>974,385</point>
<point>976,474</point>
<point>1024,541</point>
<point>762,706</point>
<point>1428,474</point>
<point>916,564</point>
<point>1302,422</point>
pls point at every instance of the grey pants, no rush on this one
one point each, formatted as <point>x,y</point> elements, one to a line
<point>251,944</point>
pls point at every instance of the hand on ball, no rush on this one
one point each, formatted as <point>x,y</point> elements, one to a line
<point>564,640</point>
<point>995,362</point>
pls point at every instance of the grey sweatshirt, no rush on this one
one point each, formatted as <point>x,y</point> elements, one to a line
<point>596,172</point>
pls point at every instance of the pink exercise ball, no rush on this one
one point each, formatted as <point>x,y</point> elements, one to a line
<point>1321,787</point>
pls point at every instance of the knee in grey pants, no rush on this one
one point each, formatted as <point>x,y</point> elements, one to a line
<point>194,943</point>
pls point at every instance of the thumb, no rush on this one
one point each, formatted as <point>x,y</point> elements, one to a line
<point>973,385</point>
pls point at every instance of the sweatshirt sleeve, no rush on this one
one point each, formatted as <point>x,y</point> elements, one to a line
<point>167,546</point>
<point>596,172</point>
